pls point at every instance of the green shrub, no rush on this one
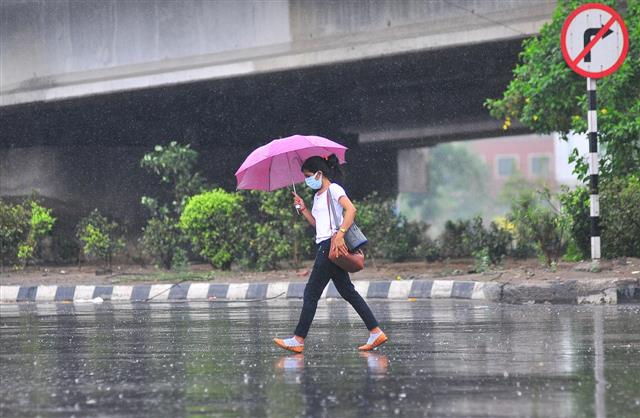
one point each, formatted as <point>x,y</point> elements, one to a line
<point>497,242</point>
<point>268,246</point>
<point>163,241</point>
<point>537,221</point>
<point>620,217</point>
<point>453,239</point>
<point>99,237</point>
<point>174,164</point>
<point>575,209</point>
<point>21,228</point>
<point>482,260</point>
<point>216,223</point>
<point>278,232</point>
<point>466,238</point>
<point>14,228</point>
<point>391,235</point>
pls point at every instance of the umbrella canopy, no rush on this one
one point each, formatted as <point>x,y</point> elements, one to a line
<point>278,163</point>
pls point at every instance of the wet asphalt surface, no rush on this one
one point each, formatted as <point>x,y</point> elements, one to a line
<point>445,358</point>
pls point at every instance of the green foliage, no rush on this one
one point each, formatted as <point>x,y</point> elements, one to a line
<point>99,237</point>
<point>41,220</point>
<point>453,242</point>
<point>14,229</point>
<point>278,232</point>
<point>391,235</point>
<point>216,223</point>
<point>22,226</point>
<point>537,221</point>
<point>465,238</point>
<point>162,239</point>
<point>620,217</point>
<point>174,164</point>
<point>482,260</point>
<point>164,242</point>
<point>547,96</point>
<point>575,209</point>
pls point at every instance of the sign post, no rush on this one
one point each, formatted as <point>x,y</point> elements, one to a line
<point>594,43</point>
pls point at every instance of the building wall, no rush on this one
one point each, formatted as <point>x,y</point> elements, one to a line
<point>523,149</point>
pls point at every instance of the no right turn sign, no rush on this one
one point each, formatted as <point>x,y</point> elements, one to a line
<point>594,40</point>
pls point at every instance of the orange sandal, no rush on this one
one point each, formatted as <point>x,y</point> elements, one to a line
<point>375,340</point>
<point>290,344</point>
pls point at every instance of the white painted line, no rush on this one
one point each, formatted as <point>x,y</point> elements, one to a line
<point>362,287</point>
<point>9,293</point>
<point>324,292</point>
<point>595,247</point>
<point>121,293</point>
<point>441,289</point>
<point>400,289</point>
<point>46,293</point>
<point>594,163</point>
<point>237,291</point>
<point>159,292</point>
<point>198,291</point>
<point>478,291</point>
<point>84,293</point>
<point>592,121</point>
<point>594,205</point>
<point>274,289</point>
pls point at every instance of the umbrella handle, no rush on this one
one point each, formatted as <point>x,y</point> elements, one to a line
<point>293,183</point>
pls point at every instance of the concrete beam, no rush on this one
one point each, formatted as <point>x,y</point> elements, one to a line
<point>432,135</point>
<point>272,58</point>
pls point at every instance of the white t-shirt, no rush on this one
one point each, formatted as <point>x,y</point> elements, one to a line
<point>320,212</point>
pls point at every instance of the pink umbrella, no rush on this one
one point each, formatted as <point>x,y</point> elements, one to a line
<point>278,163</point>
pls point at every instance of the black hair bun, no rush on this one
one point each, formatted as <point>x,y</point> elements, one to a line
<point>332,161</point>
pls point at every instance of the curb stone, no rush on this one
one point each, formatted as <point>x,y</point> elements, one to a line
<point>396,289</point>
<point>604,291</point>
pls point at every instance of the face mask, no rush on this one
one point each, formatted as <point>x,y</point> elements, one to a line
<point>314,183</point>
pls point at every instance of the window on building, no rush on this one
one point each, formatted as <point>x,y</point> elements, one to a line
<point>540,166</point>
<point>506,166</point>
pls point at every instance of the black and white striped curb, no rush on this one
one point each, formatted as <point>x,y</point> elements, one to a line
<point>397,289</point>
<point>571,291</point>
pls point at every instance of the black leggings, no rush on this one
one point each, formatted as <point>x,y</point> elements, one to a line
<point>323,271</point>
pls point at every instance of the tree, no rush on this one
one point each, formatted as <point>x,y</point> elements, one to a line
<point>547,96</point>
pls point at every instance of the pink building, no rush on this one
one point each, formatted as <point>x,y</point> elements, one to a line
<point>530,155</point>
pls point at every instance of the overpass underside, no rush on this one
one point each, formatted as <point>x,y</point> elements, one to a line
<point>85,152</point>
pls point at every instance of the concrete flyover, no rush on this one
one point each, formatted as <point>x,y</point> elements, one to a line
<point>65,49</point>
<point>88,87</point>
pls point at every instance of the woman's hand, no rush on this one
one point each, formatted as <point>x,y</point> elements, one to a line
<point>298,202</point>
<point>339,246</point>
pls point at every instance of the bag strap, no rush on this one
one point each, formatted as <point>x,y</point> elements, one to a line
<point>332,209</point>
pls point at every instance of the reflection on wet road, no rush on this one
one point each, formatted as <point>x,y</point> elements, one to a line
<point>444,358</point>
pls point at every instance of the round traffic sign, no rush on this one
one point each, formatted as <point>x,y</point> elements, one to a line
<point>594,40</point>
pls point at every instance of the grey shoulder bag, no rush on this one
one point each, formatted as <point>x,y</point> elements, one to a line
<point>354,238</point>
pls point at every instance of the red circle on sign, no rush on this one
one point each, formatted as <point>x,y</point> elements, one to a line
<point>625,41</point>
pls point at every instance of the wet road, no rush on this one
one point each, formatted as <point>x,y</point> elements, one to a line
<point>446,358</point>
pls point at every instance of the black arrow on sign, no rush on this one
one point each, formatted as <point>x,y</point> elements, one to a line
<point>588,34</point>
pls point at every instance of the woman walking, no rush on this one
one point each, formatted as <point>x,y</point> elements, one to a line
<point>319,173</point>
